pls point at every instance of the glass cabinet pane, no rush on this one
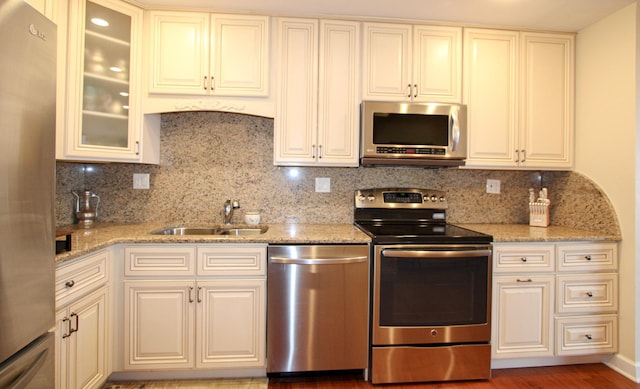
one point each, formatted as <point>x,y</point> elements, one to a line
<point>105,105</point>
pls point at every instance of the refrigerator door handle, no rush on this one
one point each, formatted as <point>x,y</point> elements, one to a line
<point>30,371</point>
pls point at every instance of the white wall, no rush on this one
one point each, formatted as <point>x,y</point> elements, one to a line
<point>606,149</point>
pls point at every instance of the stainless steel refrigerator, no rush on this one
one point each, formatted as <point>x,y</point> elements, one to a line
<point>27,176</point>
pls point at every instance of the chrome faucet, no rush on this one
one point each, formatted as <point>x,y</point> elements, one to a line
<point>229,206</point>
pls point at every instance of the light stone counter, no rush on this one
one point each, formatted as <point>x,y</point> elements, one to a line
<point>86,240</point>
<point>527,233</point>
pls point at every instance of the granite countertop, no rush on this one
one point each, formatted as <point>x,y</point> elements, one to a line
<point>86,240</point>
<point>527,233</point>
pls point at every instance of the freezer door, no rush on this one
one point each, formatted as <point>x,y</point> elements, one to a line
<point>32,367</point>
<point>27,175</point>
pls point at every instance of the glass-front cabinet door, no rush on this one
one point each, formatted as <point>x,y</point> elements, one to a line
<point>103,117</point>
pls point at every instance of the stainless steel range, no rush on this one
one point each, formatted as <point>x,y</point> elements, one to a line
<point>431,289</point>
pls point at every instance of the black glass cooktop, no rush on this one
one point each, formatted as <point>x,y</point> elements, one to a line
<point>434,233</point>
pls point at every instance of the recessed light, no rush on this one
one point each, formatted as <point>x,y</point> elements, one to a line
<point>115,69</point>
<point>100,22</point>
<point>124,94</point>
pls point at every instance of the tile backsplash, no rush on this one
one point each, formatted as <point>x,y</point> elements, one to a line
<point>209,157</point>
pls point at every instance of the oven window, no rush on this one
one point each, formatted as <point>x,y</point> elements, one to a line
<point>433,292</point>
<point>410,129</point>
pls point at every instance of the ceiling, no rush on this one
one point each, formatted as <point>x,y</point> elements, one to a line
<point>558,15</point>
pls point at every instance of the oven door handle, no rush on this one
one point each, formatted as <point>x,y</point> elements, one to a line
<point>317,261</point>
<point>401,253</point>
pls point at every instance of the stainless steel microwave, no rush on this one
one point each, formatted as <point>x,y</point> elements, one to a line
<point>421,134</point>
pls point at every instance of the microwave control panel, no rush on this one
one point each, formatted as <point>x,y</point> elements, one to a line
<point>410,150</point>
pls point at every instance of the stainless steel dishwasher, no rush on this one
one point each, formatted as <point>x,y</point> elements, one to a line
<point>317,308</point>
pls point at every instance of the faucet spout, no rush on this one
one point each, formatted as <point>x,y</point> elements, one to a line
<point>229,207</point>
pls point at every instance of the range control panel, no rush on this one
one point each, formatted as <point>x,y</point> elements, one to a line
<point>400,198</point>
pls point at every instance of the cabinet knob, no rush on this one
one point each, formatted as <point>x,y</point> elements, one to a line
<point>70,283</point>
<point>589,294</point>
<point>523,259</point>
<point>588,336</point>
<point>587,257</point>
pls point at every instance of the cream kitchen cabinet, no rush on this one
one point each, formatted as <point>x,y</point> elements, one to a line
<point>194,307</point>
<point>554,300</point>
<point>587,298</point>
<point>412,63</point>
<point>102,118</point>
<point>519,90</point>
<point>82,322</point>
<point>208,54</point>
<point>318,100</point>
<point>523,305</point>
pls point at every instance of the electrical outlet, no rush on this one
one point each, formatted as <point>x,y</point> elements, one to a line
<point>323,184</point>
<point>493,186</point>
<point>140,180</point>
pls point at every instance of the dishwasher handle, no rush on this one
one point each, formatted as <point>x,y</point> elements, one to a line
<point>318,261</point>
<point>403,253</point>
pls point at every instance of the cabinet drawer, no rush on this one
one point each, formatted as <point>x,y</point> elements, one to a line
<point>588,293</point>
<point>523,258</point>
<point>232,260</point>
<point>584,335</point>
<point>588,256</point>
<point>81,276</point>
<point>159,260</point>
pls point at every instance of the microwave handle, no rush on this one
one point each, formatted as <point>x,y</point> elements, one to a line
<point>454,128</point>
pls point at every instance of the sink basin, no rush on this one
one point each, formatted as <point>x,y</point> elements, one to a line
<point>225,231</point>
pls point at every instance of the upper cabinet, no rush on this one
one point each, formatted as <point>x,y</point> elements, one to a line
<point>209,54</point>
<point>317,114</point>
<point>102,120</point>
<point>412,63</point>
<point>519,92</point>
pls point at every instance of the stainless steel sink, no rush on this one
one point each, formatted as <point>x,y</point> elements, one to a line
<point>225,231</point>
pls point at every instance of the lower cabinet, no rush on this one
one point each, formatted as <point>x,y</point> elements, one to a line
<point>213,318</point>
<point>82,323</point>
<point>554,300</point>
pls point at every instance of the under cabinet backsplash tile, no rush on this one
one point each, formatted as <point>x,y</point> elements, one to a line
<point>209,157</point>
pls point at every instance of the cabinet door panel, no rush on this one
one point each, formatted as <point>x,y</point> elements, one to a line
<point>522,312</point>
<point>231,326</point>
<point>159,317</point>
<point>296,117</point>
<point>180,58</point>
<point>437,63</point>
<point>240,55</point>
<point>387,60</point>
<point>547,100</point>
<point>490,71</point>
<point>339,102</point>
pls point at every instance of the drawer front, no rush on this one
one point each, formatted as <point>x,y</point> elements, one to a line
<point>585,335</point>
<point>159,260</point>
<point>523,258</point>
<point>76,279</point>
<point>588,293</point>
<point>232,260</point>
<point>588,257</point>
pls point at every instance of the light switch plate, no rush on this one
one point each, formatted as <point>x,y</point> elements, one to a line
<point>140,180</point>
<point>323,184</point>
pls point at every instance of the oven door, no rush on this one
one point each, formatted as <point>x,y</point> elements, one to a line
<point>431,294</point>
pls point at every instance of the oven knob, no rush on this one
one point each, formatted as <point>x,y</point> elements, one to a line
<point>434,332</point>
<point>442,199</point>
<point>361,198</point>
<point>434,198</point>
<point>371,197</point>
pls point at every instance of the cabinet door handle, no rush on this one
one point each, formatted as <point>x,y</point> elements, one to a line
<point>415,90</point>
<point>68,333</point>
<point>409,89</point>
<point>524,155</point>
<point>71,329</point>
<point>70,283</point>
<point>213,83</point>
<point>137,148</point>
<point>204,84</point>
<point>190,294</point>
<point>319,151</point>
<point>198,294</point>
<point>527,280</point>
<point>313,151</point>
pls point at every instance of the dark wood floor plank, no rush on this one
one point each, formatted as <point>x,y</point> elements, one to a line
<point>587,376</point>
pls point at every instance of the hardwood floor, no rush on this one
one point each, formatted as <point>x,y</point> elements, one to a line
<point>588,376</point>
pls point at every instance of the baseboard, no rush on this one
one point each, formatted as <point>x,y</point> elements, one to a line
<point>624,366</point>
